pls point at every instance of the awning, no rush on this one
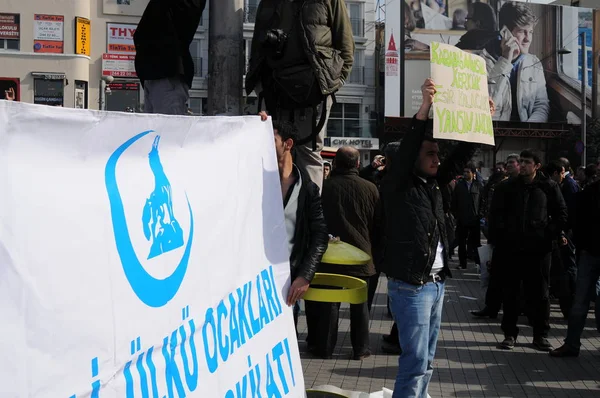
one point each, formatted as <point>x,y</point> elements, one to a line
<point>49,75</point>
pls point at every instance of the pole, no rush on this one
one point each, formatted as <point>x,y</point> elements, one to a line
<point>226,61</point>
<point>583,99</point>
<point>102,94</point>
<point>595,65</point>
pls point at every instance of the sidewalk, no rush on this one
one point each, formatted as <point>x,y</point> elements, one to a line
<point>467,364</point>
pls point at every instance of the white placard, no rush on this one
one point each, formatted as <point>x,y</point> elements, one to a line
<point>461,110</point>
<point>128,267</point>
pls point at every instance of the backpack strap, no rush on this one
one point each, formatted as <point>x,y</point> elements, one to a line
<point>316,126</point>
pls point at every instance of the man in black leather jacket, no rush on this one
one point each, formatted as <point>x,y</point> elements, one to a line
<point>305,223</point>
<point>415,255</point>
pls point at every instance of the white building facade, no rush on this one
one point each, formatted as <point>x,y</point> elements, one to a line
<point>79,53</point>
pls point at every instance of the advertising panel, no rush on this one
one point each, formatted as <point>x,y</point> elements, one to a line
<point>118,65</point>
<point>9,26</point>
<point>532,53</point>
<point>134,8</point>
<point>48,33</point>
<point>120,38</point>
<point>83,36</point>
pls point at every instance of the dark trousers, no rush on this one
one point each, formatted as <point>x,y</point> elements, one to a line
<point>322,320</point>
<point>568,276</point>
<point>469,239</point>
<point>493,294</point>
<point>373,282</point>
<point>533,270</point>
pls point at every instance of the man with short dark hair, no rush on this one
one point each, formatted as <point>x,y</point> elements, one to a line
<point>513,167</point>
<point>466,203</point>
<point>527,214</point>
<point>304,221</point>
<point>416,245</point>
<point>352,213</point>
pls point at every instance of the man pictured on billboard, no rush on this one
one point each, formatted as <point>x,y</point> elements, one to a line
<point>516,78</point>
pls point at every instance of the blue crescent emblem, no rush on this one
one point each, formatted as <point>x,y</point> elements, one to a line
<point>160,227</point>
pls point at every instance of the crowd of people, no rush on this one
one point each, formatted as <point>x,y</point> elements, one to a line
<point>408,209</point>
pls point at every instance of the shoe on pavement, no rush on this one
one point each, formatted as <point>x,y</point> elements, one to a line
<point>484,312</point>
<point>393,349</point>
<point>360,357</point>
<point>389,339</point>
<point>564,351</point>
<point>542,344</point>
<point>508,343</point>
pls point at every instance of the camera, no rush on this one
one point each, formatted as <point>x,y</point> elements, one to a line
<point>275,40</point>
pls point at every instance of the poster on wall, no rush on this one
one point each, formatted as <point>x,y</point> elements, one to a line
<point>119,38</point>
<point>134,8</point>
<point>83,36</point>
<point>48,33</point>
<point>10,26</point>
<point>530,80</point>
<point>116,301</point>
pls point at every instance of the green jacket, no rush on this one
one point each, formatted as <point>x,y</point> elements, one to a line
<point>327,40</point>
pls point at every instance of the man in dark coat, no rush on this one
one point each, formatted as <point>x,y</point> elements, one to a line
<point>466,204</point>
<point>163,61</point>
<point>587,236</point>
<point>352,212</point>
<point>527,214</point>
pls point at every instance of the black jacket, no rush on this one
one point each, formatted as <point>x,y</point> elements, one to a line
<point>587,219</point>
<point>466,204</point>
<point>352,212</point>
<point>414,211</point>
<point>527,217</point>
<point>569,189</point>
<point>163,37</point>
<point>310,235</point>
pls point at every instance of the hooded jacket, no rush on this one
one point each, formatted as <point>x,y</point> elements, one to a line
<point>326,37</point>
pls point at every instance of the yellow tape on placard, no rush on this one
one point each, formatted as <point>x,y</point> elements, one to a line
<point>353,290</point>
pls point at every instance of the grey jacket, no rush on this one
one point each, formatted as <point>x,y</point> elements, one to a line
<point>532,97</point>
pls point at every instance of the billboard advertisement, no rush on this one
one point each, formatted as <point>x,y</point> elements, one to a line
<point>48,33</point>
<point>9,26</point>
<point>82,36</point>
<point>120,38</point>
<point>532,54</point>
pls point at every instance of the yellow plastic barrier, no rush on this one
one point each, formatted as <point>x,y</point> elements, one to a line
<point>353,290</point>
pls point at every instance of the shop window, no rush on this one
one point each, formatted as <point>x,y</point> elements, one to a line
<point>49,92</point>
<point>7,83</point>
<point>198,106</point>
<point>123,97</point>
<point>573,21</point>
<point>344,121</point>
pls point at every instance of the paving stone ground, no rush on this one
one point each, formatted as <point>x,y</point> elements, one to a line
<point>467,363</point>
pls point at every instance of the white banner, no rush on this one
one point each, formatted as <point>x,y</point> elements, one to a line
<point>461,110</point>
<point>142,256</point>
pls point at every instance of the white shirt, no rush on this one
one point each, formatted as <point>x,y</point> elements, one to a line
<point>290,210</point>
<point>438,261</point>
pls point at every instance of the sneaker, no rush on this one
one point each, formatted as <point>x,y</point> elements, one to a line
<point>508,343</point>
<point>542,344</point>
<point>564,351</point>
<point>485,312</point>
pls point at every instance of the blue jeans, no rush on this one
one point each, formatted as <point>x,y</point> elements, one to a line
<point>588,273</point>
<point>417,311</point>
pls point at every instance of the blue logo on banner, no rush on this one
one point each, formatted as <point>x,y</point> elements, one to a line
<point>160,228</point>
